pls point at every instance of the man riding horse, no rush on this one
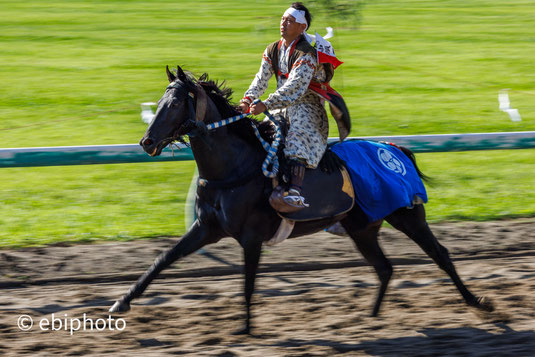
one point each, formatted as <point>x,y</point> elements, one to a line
<point>231,202</point>
<point>294,62</point>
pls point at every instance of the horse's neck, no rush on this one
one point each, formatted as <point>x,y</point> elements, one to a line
<point>222,154</point>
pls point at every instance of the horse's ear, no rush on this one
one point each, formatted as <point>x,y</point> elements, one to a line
<point>170,75</point>
<point>180,73</point>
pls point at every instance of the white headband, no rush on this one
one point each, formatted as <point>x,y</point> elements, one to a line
<point>298,14</point>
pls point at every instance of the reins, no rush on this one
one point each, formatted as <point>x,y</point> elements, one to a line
<point>200,112</point>
<point>271,158</point>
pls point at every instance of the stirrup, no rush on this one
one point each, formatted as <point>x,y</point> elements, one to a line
<point>294,198</point>
<point>287,202</point>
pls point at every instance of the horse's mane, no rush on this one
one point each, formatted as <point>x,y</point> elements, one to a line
<point>221,96</point>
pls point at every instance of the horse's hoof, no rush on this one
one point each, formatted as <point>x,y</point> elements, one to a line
<point>244,331</point>
<point>119,306</point>
<point>485,304</point>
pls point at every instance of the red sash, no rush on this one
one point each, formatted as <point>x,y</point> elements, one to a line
<point>337,105</point>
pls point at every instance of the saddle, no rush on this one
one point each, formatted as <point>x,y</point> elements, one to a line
<point>328,194</point>
<point>328,190</point>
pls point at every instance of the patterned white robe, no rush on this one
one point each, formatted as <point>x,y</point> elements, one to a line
<point>293,101</point>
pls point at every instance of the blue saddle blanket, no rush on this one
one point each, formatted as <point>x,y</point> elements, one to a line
<point>383,177</point>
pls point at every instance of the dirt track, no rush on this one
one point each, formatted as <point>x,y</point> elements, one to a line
<point>314,297</point>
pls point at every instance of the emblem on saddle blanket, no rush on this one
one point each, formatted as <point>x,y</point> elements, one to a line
<point>327,194</point>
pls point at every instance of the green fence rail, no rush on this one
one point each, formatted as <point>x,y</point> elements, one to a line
<point>130,153</point>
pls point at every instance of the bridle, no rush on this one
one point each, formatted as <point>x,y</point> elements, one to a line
<point>194,125</point>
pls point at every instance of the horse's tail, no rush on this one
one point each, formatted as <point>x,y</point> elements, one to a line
<point>411,156</point>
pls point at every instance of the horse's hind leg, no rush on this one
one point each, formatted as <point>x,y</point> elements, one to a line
<point>412,222</point>
<point>197,237</point>
<point>366,242</point>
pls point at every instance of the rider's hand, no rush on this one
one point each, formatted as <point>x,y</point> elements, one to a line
<point>258,108</point>
<point>244,107</point>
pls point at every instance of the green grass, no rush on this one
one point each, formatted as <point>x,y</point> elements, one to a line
<point>75,72</point>
<point>85,203</point>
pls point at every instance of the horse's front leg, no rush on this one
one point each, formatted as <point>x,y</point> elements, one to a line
<point>252,250</point>
<point>198,236</point>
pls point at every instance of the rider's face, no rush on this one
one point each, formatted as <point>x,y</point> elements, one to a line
<point>289,28</point>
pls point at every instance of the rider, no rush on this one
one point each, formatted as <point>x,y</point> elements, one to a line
<point>294,62</point>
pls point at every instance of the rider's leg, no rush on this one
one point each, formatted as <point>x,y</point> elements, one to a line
<point>297,175</point>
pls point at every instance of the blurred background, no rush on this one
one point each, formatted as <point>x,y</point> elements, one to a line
<point>75,73</point>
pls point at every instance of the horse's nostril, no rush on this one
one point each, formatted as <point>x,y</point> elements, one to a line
<point>147,142</point>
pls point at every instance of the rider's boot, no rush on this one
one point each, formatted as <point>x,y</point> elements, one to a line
<point>293,196</point>
<point>291,200</point>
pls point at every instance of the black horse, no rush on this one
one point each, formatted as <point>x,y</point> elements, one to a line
<point>236,204</point>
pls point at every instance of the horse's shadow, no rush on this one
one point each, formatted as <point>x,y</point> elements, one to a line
<point>435,342</point>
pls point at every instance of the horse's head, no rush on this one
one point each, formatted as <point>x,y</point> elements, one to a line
<point>176,114</point>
